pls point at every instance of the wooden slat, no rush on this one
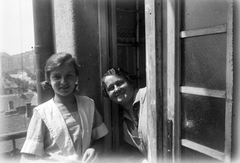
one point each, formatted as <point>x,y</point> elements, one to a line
<point>204,31</point>
<point>165,78</point>
<point>173,70</point>
<point>153,76</point>
<point>177,126</point>
<point>203,149</point>
<point>114,63</point>
<point>151,79</point>
<point>203,92</point>
<point>104,56</point>
<point>229,83</point>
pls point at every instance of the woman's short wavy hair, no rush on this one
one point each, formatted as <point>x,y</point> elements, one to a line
<point>54,62</point>
<point>57,60</point>
<point>116,71</point>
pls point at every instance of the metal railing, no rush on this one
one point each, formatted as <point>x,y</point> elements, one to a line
<point>13,136</point>
<point>16,135</point>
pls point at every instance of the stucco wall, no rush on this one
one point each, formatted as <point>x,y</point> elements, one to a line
<point>77,32</point>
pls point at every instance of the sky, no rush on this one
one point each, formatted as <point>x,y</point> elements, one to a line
<point>16,26</point>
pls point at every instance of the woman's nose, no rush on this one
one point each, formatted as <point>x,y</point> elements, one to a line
<point>116,88</point>
<point>63,80</point>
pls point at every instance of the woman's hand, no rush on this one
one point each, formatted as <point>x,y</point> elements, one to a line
<point>90,155</point>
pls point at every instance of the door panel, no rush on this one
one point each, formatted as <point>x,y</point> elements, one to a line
<point>206,73</point>
<point>203,120</point>
<point>203,65</point>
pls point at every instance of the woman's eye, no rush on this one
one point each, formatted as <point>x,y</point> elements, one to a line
<point>110,88</point>
<point>119,83</point>
<point>56,77</point>
<point>70,75</point>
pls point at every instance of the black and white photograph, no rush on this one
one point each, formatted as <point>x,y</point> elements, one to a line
<point>119,81</point>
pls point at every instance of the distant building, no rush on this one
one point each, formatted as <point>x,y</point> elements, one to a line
<point>16,62</point>
<point>15,66</point>
<point>6,63</point>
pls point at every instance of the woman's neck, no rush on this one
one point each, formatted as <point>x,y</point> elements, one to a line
<point>129,110</point>
<point>66,104</point>
<point>64,99</point>
<point>129,106</point>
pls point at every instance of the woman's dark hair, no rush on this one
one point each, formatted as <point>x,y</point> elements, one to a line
<point>54,62</point>
<point>116,71</point>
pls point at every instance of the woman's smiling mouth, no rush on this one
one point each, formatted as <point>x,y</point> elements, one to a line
<point>120,95</point>
<point>64,88</point>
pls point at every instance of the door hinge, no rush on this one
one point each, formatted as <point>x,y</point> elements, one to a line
<point>169,139</point>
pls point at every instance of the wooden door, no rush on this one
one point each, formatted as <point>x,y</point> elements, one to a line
<point>202,67</point>
<point>189,57</point>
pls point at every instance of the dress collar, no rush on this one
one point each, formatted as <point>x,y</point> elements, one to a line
<point>139,96</point>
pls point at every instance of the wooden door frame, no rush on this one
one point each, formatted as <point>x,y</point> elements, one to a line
<point>154,80</point>
<point>171,77</point>
<point>103,18</point>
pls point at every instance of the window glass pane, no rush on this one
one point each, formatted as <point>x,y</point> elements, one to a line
<point>202,65</point>
<point>191,156</point>
<point>203,13</point>
<point>203,120</point>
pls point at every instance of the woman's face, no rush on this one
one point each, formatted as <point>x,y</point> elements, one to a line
<point>118,89</point>
<point>63,80</point>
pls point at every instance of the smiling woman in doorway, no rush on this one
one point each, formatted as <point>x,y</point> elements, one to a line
<point>118,87</point>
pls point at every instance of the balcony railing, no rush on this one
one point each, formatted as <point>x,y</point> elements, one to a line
<point>14,154</point>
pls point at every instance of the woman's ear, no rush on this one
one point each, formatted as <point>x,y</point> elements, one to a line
<point>46,85</point>
<point>76,86</point>
<point>104,92</point>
